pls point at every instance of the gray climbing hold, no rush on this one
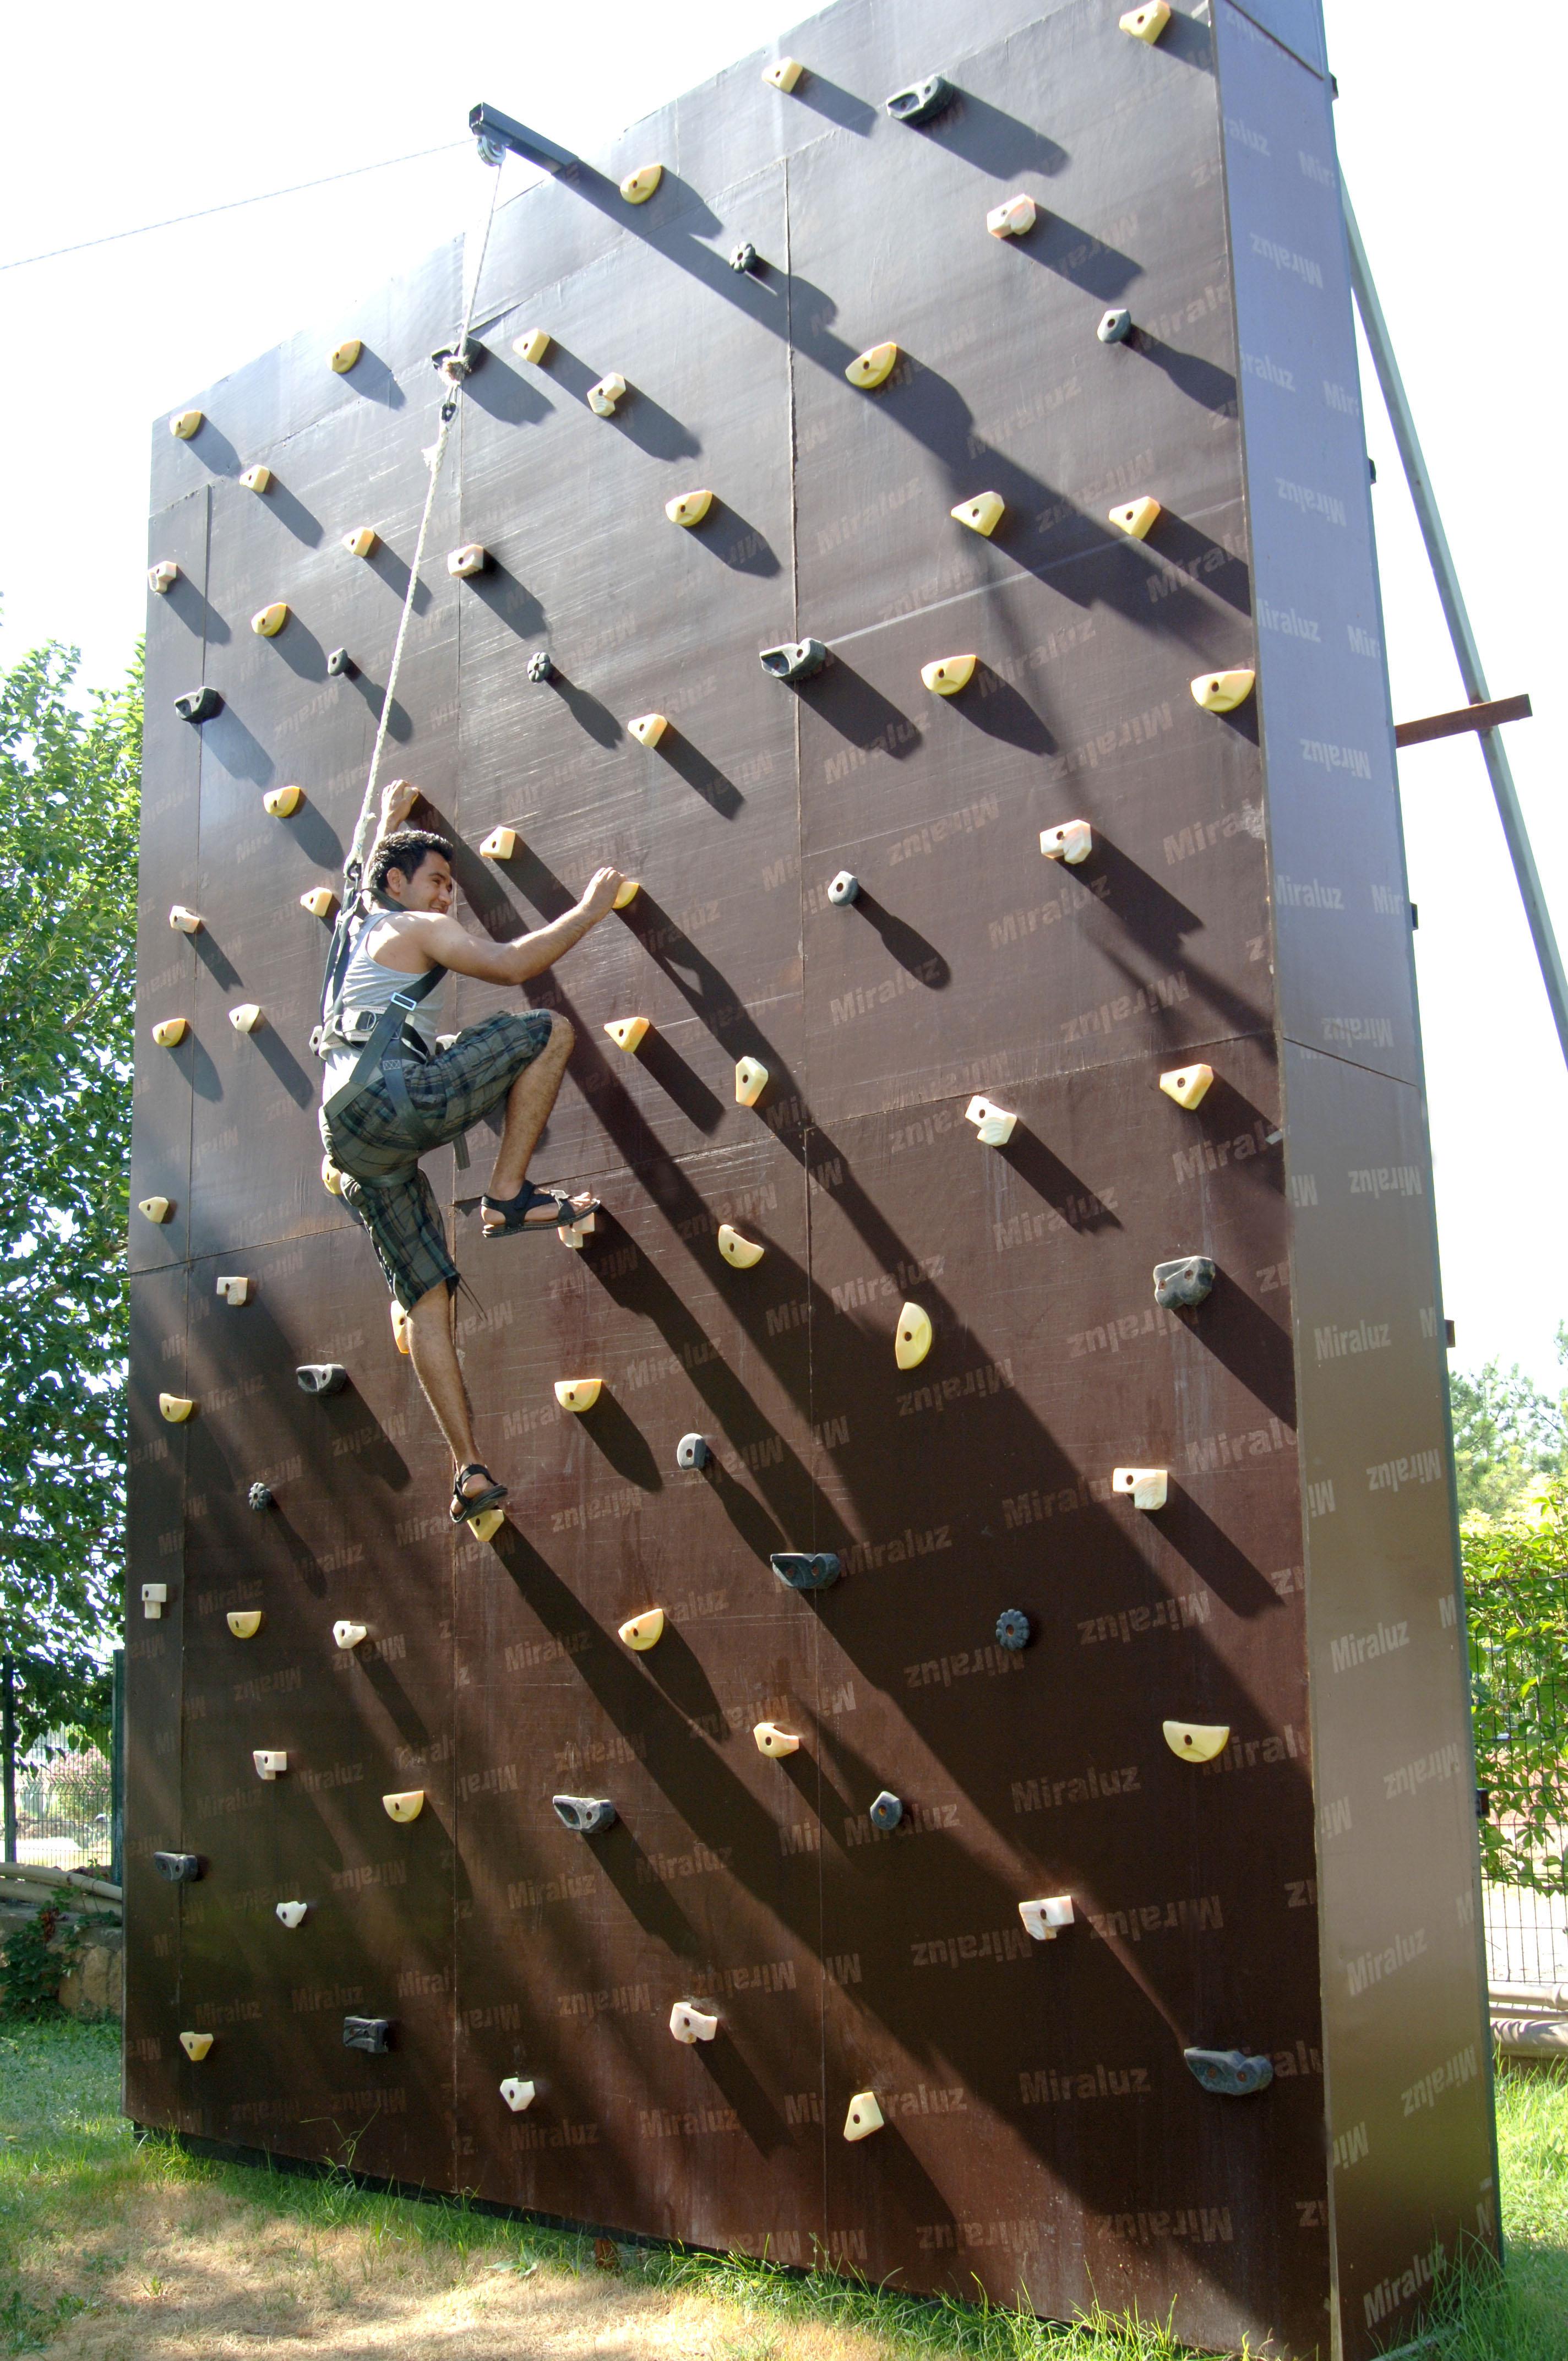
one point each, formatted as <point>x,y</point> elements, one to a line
<point>692,1450</point>
<point>887,1811</point>
<point>1011,1629</point>
<point>321,1377</point>
<point>1230,2073</point>
<point>370,2032</point>
<point>796,660</point>
<point>1114,328</point>
<point>806,1569</point>
<point>259,1497</point>
<point>541,666</point>
<point>340,665</point>
<point>178,1868</point>
<point>586,1816</point>
<point>199,705</point>
<point>922,100</point>
<point>845,887</point>
<point>744,256</point>
<point>1188,1281</point>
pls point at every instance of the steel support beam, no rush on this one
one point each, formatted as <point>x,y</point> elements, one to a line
<point>1441,560</point>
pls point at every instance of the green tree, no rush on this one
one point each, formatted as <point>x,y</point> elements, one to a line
<point>69,796</point>
<point>1507,1435</point>
<point>1516,1599</point>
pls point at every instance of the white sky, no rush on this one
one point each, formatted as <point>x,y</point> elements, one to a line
<point>110,117</point>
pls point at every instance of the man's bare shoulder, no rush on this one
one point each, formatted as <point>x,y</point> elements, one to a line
<point>414,941</point>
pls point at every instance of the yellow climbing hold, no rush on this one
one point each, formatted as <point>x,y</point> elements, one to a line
<point>873,366</point>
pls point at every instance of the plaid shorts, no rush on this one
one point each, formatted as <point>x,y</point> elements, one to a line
<point>377,1145</point>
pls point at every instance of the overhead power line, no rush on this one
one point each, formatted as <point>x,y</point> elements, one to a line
<point>235,204</point>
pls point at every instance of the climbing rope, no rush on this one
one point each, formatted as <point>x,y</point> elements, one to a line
<point>454,368</point>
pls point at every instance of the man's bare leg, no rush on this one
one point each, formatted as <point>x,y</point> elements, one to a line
<point>529,1103</point>
<point>432,1348</point>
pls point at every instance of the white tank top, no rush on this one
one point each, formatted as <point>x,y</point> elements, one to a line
<point>367,988</point>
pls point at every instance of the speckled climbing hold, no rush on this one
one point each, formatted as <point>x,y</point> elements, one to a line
<point>1230,2073</point>
<point>922,101</point>
<point>797,660</point>
<point>586,1816</point>
<point>806,1569</point>
<point>1187,1282</point>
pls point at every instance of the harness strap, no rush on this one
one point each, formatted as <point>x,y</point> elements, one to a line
<point>385,1035</point>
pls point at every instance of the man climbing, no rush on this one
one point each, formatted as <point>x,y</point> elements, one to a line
<point>393,1093</point>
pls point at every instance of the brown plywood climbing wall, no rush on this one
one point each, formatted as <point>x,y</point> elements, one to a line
<point>1307,1895</point>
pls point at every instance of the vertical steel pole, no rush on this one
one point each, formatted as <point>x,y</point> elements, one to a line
<point>1441,560</point>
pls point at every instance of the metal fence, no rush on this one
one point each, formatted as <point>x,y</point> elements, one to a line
<point>65,1796</point>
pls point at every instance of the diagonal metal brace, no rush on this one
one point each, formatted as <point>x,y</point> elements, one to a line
<point>1441,559</point>
<point>496,132</point>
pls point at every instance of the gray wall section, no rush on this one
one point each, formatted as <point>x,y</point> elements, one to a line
<point>1407,2054</point>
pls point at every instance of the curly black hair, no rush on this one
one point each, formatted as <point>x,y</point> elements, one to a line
<point>404,849</point>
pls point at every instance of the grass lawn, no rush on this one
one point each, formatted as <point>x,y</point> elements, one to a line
<point>112,2252</point>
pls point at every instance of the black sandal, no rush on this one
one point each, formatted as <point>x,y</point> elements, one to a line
<point>462,1507</point>
<point>514,1210</point>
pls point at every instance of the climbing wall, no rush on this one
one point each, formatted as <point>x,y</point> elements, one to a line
<point>1306,1895</point>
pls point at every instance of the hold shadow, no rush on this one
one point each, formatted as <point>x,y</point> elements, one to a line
<point>647,1896</point>
<point>1147,909</point>
<point>1246,1342</point>
<point>284,1064</point>
<point>316,836</point>
<point>399,725</point>
<point>376,382</point>
<point>993,140</point>
<point>677,1672</point>
<point>501,393</point>
<point>390,568</point>
<point>241,755</point>
<point>705,778</point>
<point>1080,1206</point>
<point>919,958</point>
<point>198,1068</point>
<point>678,1081</point>
<point>738,544</point>
<point>612,1432</point>
<point>1212,388</point>
<point>640,418</point>
<point>1225,1113</point>
<point>197,613</point>
<point>1201,559</point>
<point>395,1702</point>
<point>1214,1557</point>
<point>846,700</point>
<point>510,600</point>
<point>760,2119</point>
<point>300,649</point>
<point>216,961</point>
<point>292,514</point>
<point>1001,712</point>
<point>587,712</point>
<point>838,105</point>
<point>1076,254</point>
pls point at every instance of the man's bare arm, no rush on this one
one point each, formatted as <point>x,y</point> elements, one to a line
<point>445,942</point>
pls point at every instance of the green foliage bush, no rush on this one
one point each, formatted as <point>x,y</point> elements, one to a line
<point>1516,1595</point>
<point>36,1956</point>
